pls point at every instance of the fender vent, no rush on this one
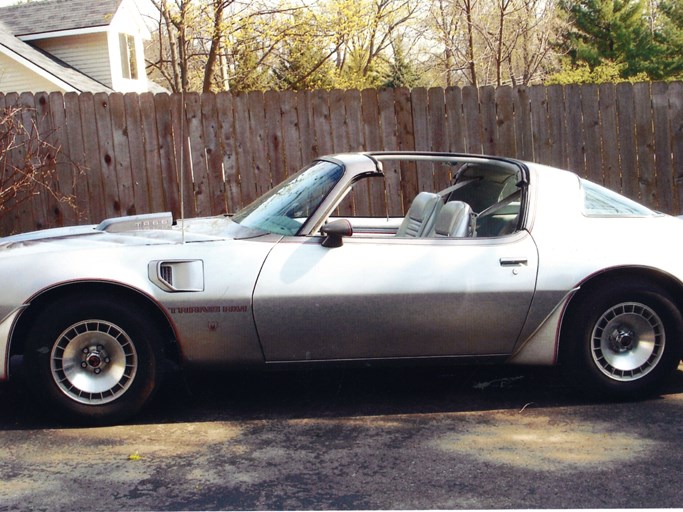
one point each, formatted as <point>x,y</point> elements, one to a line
<point>166,273</point>
<point>177,275</point>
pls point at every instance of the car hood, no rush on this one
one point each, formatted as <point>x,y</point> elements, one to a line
<point>152,229</point>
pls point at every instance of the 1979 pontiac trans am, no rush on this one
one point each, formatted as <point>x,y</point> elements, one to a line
<point>510,262</point>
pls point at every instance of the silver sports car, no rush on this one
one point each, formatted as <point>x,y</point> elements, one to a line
<point>509,262</point>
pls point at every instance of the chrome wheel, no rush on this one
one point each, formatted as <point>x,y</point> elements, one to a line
<point>93,362</point>
<point>628,341</point>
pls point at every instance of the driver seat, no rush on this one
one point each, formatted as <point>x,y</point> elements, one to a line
<point>419,220</point>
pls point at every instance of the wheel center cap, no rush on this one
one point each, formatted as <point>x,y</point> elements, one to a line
<point>622,339</point>
<point>94,360</point>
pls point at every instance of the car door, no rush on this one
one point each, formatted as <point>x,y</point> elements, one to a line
<point>394,297</point>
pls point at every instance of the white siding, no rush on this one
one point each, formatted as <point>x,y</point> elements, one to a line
<point>88,53</point>
<point>16,78</point>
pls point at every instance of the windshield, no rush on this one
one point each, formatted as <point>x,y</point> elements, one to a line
<point>600,201</point>
<point>285,208</point>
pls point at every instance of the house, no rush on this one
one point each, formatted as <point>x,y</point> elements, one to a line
<point>73,45</point>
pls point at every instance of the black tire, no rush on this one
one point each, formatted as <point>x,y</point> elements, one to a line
<point>93,360</point>
<point>622,340</point>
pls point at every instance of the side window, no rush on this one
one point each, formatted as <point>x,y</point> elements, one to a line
<point>129,64</point>
<point>364,206</point>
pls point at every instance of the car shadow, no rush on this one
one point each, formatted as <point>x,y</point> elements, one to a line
<point>332,393</point>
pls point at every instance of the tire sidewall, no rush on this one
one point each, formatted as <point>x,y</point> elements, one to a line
<point>44,334</point>
<point>579,351</point>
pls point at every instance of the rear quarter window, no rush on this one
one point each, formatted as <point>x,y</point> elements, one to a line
<point>601,202</point>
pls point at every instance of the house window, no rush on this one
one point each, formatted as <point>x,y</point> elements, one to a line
<point>129,63</point>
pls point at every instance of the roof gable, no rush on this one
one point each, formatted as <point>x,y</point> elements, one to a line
<point>58,15</point>
<point>53,70</point>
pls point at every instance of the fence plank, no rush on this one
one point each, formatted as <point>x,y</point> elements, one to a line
<point>371,124</point>
<point>557,127</point>
<point>438,130</point>
<point>524,144</point>
<point>290,132</point>
<point>15,211</point>
<point>156,198</point>
<point>419,100</point>
<point>392,173</point>
<point>455,133</point>
<point>608,129</point>
<point>105,137</point>
<point>363,199</point>
<point>242,149</point>
<point>662,135</point>
<point>309,149</point>
<point>591,132</point>
<point>626,139</point>
<point>489,130</point>
<point>540,131</point>
<point>230,175</point>
<point>339,133</point>
<point>50,110</point>
<point>505,125</point>
<point>576,153</point>
<point>196,156</point>
<point>188,147</point>
<point>213,154</point>
<point>170,165</point>
<point>121,154</point>
<point>645,144</point>
<point>257,132</point>
<point>322,123</point>
<point>472,119</point>
<point>406,141</point>
<point>34,207</point>
<point>75,156</point>
<point>136,144</point>
<point>676,112</point>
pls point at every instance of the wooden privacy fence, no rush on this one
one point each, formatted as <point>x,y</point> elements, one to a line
<point>121,154</point>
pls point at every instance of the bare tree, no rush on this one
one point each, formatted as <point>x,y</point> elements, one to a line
<point>501,42</point>
<point>27,161</point>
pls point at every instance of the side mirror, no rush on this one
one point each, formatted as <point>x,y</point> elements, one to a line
<point>335,231</point>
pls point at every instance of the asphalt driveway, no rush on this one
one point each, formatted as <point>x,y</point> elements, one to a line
<point>352,439</point>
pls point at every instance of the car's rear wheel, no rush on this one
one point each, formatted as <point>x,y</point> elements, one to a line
<point>93,360</point>
<point>623,340</point>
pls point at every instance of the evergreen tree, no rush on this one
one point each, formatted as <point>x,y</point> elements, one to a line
<point>402,72</point>
<point>613,31</point>
<point>671,39</point>
<point>303,64</point>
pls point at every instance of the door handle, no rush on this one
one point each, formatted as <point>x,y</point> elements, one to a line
<point>513,262</point>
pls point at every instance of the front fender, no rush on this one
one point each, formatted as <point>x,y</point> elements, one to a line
<point>6,327</point>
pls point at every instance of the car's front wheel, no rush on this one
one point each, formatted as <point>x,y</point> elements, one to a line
<point>93,360</point>
<point>623,340</point>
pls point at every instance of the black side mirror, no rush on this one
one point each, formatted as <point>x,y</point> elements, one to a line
<point>335,231</point>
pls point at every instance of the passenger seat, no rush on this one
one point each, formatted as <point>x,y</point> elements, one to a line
<point>419,221</point>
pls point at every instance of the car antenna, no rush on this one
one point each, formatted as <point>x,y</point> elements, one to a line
<point>182,165</point>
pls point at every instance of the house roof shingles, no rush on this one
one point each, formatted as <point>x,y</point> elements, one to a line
<point>57,15</point>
